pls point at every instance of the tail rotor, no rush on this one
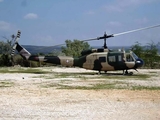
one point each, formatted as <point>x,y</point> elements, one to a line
<point>15,42</point>
<point>15,45</point>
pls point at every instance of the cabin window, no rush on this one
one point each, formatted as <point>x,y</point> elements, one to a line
<point>112,59</point>
<point>119,58</point>
<point>129,58</point>
<point>102,59</point>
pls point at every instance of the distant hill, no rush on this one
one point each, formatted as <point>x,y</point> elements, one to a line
<point>45,49</point>
<point>40,49</point>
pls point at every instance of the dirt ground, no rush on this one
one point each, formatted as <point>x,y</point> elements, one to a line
<point>25,96</point>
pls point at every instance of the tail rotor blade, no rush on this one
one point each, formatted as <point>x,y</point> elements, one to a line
<point>15,43</point>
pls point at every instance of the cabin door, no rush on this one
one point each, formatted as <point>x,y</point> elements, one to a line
<point>116,60</point>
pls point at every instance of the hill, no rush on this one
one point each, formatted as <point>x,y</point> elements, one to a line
<point>49,49</point>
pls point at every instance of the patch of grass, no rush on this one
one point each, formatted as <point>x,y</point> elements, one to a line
<point>50,85</point>
<point>113,85</point>
<point>125,77</point>
<point>22,70</point>
<point>69,75</point>
<point>100,86</point>
<point>6,84</point>
<point>145,88</point>
<point>120,77</point>
<point>140,76</point>
<point>152,72</point>
<point>62,75</point>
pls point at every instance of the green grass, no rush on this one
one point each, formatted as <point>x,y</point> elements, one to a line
<point>90,76</point>
<point>101,86</point>
<point>105,85</point>
<point>6,84</point>
<point>145,88</point>
<point>108,86</point>
<point>22,70</point>
<point>50,85</point>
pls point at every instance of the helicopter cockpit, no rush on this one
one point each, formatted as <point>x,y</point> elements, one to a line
<point>131,57</point>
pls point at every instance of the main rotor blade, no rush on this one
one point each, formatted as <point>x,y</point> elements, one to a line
<point>136,30</point>
<point>113,35</point>
<point>90,39</point>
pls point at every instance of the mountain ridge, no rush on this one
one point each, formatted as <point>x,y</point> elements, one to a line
<point>33,49</point>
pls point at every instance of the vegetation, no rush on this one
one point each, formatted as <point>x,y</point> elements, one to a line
<point>74,48</point>
<point>5,50</point>
<point>6,84</point>
<point>22,70</point>
<point>148,53</point>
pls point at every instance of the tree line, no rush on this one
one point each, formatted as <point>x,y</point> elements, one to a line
<point>149,53</point>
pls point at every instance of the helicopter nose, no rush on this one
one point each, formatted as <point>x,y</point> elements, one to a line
<point>139,63</point>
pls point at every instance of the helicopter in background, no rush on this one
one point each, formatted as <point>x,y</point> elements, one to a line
<point>102,59</point>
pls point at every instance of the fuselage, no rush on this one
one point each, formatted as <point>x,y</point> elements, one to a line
<point>102,61</point>
<point>94,59</point>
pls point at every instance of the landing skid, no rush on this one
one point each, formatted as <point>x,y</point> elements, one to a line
<point>127,73</point>
<point>101,73</point>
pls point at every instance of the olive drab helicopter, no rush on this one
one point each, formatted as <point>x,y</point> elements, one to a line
<point>102,59</point>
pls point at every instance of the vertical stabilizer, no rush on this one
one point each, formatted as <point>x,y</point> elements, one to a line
<point>22,51</point>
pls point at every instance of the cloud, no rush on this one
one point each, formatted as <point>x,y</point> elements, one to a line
<point>1,0</point>
<point>31,16</point>
<point>5,26</point>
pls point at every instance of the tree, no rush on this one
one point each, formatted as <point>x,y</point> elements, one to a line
<point>148,53</point>
<point>138,49</point>
<point>5,51</point>
<point>151,55</point>
<point>74,48</point>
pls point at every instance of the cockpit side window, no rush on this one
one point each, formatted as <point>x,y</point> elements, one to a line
<point>129,58</point>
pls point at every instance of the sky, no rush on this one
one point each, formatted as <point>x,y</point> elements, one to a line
<point>51,22</point>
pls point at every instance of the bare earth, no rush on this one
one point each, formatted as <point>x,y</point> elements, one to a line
<point>27,97</point>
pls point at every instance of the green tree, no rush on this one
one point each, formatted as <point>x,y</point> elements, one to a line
<point>138,49</point>
<point>5,51</point>
<point>148,53</point>
<point>74,48</point>
<point>151,55</point>
<point>5,60</point>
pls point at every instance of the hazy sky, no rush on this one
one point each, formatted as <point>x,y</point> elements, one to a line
<point>51,22</point>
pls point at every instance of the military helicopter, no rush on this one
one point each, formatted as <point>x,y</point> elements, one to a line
<point>102,59</point>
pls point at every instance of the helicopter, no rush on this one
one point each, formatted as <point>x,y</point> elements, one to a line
<point>101,59</point>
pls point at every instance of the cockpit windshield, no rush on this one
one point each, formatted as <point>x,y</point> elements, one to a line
<point>134,55</point>
<point>130,57</point>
